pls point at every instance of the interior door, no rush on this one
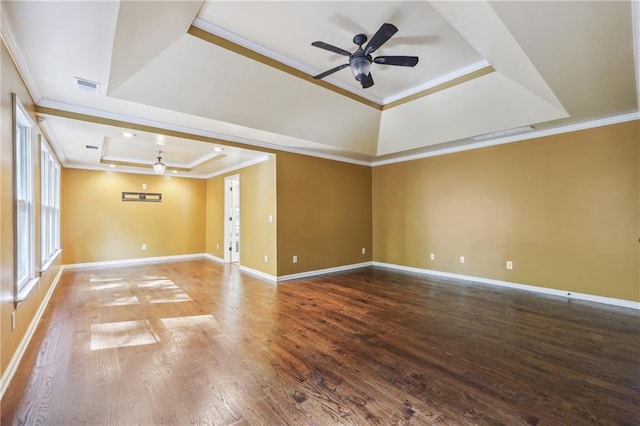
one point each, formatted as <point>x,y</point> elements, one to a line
<point>232,219</point>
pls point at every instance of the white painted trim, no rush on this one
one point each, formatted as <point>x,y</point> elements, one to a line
<point>437,81</point>
<point>141,260</point>
<point>10,39</point>
<point>12,367</point>
<point>227,35</point>
<point>500,141</point>
<point>544,290</point>
<point>375,163</point>
<point>239,166</point>
<point>213,258</point>
<point>324,271</point>
<point>193,131</point>
<point>51,143</point>
<point>257,273</point>
<point>131,170</point>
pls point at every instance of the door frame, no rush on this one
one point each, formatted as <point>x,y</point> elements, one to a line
<point>231,202</point>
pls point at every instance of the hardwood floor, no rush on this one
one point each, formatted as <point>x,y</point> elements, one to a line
<point>200,343</point>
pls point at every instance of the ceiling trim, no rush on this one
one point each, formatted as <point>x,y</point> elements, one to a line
<point>199,136</point>
<point>213,34</point>
<point>149,170</point>
<point>248,163</point>
<point>48,136</point>
<point>446,84</point>
<point>255,47</point>
<point>263,59</point>
<point>437,81</point>
<point>140,165</point>
<point>128,122</point>
<point>516,138</point>
<point>10,40</point>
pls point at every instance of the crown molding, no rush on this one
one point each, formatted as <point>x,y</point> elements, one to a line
<point>51,142</point>
<point>214,34</point>
<point>10,40</point>
<point>516,138</point>
<point>85,114</point>
<point>442,80</point>
<point>46,107</point>
<point>252,162</point>
<point>236,39</point>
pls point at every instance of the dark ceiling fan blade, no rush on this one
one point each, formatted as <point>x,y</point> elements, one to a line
<point>330,48</point>
<point>379,38</point>
<point>401,61</point>
<point>367,81</point>
<point>331,71</point>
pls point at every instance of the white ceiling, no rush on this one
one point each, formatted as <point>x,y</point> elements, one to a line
<point>554,65</point>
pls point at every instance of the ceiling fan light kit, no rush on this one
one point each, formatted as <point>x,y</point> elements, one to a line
<point>360,61</point>
<point>159,167</point>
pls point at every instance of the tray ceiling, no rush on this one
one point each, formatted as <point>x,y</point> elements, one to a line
<point>238,74</point>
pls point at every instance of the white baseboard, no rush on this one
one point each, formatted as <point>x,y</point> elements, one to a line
<point>124,262</point>
<point>22,347</point>
<point>245,269</point>
<point>555,292</point>
<point>275,279</point>
<point>214,258</point>
<point>257,273</point>
<point>324,271</point>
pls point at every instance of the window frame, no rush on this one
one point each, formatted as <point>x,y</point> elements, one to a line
<point>50,172</point>
<point>25,274</point>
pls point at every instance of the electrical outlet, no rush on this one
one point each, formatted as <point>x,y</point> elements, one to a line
<point>144,186</point>
<point>509,264</point>
<point>364,250</point>
<point>461,259</point>
<point>144,247</point>
<point>266,259</point>
<point>13,320</point>
<point>432,256</point>
<point>270,218</point>
<point>295,259</point>
<point>217,246</point>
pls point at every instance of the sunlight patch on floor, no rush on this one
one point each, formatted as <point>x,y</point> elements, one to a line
<point>160,290</point>
<point>122,334</point>
<point>97,283</point>
<point>188,322</point>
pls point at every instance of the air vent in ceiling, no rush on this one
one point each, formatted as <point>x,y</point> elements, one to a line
<point>91,147</point>
<point>87,85</point>
<point>503,133</point>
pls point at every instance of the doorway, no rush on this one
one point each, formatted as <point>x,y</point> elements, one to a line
<point>232,219</point>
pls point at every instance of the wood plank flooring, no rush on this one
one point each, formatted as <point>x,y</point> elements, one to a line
<point>201,343</point>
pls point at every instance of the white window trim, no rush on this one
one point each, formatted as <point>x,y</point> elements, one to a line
<point>46,259</point>
<point>22,289</point>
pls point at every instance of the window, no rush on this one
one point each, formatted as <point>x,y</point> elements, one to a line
<point>24,212</point>
<point>50,205</point>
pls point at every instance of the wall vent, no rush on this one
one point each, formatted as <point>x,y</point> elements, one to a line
<point>87,85</point>
<point>503,133</point>
<point>91,147</point>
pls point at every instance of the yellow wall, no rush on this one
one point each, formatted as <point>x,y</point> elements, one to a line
<point>257,202</point>
<point>214,242</point>
<point>564,209</point>
<point>324,213</point>
<point>26,311</point>
<point>97,226</point>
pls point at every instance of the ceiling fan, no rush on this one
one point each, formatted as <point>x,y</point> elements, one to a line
<point>360,60</point>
